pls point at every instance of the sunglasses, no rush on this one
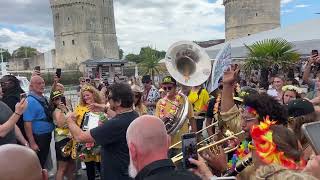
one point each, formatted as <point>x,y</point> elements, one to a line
<point>169,88</point>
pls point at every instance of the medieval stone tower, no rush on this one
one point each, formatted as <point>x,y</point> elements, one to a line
<point>83,29</point>
<point>246,17</point>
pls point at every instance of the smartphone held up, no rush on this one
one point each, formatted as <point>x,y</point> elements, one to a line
<point>58,72</point>
<point>189,150</point>
<point>311,131</point>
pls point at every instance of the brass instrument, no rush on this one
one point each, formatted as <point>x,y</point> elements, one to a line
<point>179,157</point>
<point>198,132</point>
<point>189,65</point>
<point>175,123</point>
<point>66,149</point>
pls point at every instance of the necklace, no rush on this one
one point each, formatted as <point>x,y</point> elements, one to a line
<point>174,105</point>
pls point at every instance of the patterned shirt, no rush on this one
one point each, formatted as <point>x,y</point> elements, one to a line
<point>152,96</point>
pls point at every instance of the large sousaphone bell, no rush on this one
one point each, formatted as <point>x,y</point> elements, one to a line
<point>191,66</point>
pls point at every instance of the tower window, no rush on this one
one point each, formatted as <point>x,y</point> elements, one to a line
<point>68,18</point>
<point>256,14</point>
<point>57,16</point>
<point>63,43</point>
<point>72,42</point>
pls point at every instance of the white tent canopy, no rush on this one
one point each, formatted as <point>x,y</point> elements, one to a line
<point>305,36</point>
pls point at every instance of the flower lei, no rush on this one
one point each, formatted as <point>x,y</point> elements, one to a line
<point>217,104</point>
<point>243,150</point>
<point>266,148</point>
<point>252,111</point>
<point>174,108</point>
<point>291,88</point>
<point>91,149</point>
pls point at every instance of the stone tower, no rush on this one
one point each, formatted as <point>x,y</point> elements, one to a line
<point>246,17</point>
<point>83,29</point>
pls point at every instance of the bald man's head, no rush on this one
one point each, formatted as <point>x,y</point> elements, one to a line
<point>19,162</point>
<point>37,85</point>
<point>148,134</point>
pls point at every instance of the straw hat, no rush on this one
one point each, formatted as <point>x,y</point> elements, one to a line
<point>136,88</point>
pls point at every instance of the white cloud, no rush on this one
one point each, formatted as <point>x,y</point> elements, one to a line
<point>12,40</point>
<point>138,22</point>
<point>286,1</point>
<point>302,5</point>
<point>160,24</point>
<point>286,11</point>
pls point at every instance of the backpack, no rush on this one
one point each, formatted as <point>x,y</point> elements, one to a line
<point>47,110</point>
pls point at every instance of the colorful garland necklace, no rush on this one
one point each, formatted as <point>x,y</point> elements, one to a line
<point>244,149</point>
<point>174,105</point>
<point>266,149</point>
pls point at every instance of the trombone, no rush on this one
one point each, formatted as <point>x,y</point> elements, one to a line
<point>198,132</point>
<point>178,157</point>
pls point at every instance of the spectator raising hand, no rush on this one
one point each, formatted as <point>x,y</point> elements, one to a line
<point>21,106</point>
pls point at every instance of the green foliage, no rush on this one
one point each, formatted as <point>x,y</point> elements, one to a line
<point>6,55</point>
<point>270,53</point>
<point>148,60</point>
<point>120,53</point>
<point>133,58</point>
<point>25,52</point>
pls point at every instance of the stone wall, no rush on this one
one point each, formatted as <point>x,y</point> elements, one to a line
<point>83,29</point>
<point>246,17</point>
<point>28,64</point>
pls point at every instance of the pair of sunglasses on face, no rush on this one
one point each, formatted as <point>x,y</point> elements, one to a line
<point>167,88</point>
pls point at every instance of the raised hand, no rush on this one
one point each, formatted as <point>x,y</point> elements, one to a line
<point>230,75</point>
<point>21,106</point>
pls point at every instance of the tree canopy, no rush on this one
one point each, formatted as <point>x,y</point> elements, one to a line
<point>148,60</point>
<point>25,52</point>
<point>5,54</point>
<point>270,54</point>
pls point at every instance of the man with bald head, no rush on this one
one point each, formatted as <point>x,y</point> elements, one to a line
<point>38,120</point>
<point>148,148</point>
<point>19,162</point>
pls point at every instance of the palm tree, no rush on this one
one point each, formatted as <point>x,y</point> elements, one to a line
<point>150,62</point>
<point>270,54</point>
<point>25,52</point>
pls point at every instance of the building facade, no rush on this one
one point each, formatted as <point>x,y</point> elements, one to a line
<point>83,29</point>
<point>246,17</point>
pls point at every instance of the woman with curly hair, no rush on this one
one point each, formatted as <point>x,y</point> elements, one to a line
<point>88,153</point>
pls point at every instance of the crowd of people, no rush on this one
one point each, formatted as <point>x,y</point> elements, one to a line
<point>120,131</point>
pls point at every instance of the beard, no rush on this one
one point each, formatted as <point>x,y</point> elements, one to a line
<point>132,170</point>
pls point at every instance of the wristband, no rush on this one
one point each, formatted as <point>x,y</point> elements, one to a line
<point>18,114</point>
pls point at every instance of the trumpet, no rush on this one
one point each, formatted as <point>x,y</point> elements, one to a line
<point>198,132</point>
<point>178,157</point>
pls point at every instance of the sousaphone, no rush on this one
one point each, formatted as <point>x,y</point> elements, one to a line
<point>191,66</point>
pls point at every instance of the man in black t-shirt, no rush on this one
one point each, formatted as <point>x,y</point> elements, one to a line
<point>112,134</point>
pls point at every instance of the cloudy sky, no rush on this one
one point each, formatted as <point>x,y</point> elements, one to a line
<point>139,23</point>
